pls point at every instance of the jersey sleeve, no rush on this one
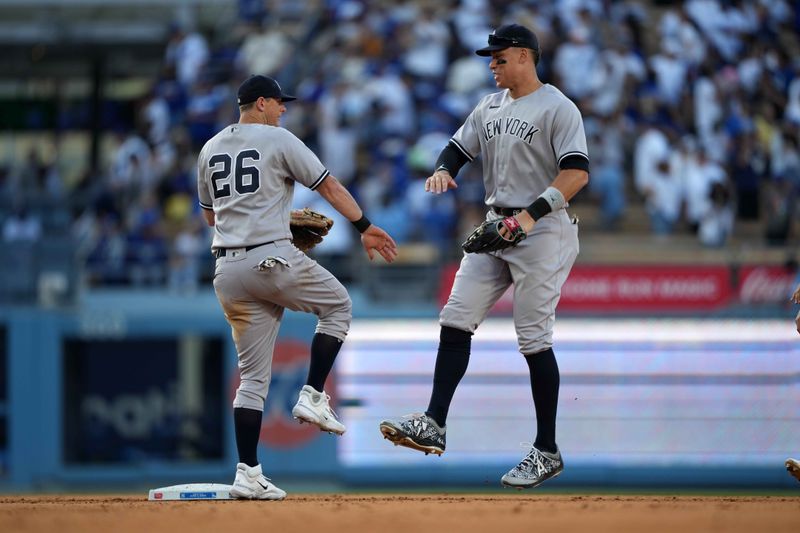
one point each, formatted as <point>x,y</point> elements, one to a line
<point>569,138</point>
<point>466,139</point>
<point>301,163</point>
<point>203,189</point>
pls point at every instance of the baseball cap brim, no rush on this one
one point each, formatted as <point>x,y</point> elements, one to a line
<point>487,50</point>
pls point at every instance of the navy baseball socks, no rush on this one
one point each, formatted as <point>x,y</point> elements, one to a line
<point>451,365</point>
<point>324,349</point>
<point>545,382</point>
<point>247,426</point>
<point>426,432</point>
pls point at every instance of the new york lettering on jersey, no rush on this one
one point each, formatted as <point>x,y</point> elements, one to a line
<point>510,126</point>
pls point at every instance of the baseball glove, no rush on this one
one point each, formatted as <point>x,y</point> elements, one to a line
<point>486,237</point>
<point>308,228</point>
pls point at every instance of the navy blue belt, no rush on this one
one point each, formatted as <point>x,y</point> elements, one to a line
<point>507,211</point>
<point>222,252</point>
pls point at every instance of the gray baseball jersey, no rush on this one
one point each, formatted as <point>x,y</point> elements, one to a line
<point>246,174</point>
<point>522,142</point>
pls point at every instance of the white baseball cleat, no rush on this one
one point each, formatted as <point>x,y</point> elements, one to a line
<point>251,484</point>
<point>314,407</point>
<point>793,467</point>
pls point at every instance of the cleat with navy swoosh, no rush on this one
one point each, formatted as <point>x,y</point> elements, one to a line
<point>251,484</point>
<point>314,407</point>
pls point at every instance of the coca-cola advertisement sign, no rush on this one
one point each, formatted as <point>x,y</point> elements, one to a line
<point>765,284</point>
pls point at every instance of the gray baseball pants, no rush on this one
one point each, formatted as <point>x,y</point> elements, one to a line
<point>254,287</point>
<point>538,267</point>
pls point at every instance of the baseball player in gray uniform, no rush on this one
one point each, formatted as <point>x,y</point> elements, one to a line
<point>535,159</point>
<point>246,178</point>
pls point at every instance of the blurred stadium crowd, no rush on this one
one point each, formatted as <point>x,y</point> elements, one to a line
<point>692,111</point>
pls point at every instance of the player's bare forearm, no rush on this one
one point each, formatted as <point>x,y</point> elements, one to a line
<point>339,198</point>
<point>374,239</point>
<point>208,216</point>
<point>569,181</point>
<point>525,220</point>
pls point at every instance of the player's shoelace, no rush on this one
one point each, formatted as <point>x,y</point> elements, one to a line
<point>328,405</point>
<point>416,424</point>
<point>534,458</point>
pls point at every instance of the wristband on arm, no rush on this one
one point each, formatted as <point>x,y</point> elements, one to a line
<point>361,224</point>
<point>550,200</point>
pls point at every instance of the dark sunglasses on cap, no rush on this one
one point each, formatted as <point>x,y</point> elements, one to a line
<point>494,40</point>
<point>508,36</point>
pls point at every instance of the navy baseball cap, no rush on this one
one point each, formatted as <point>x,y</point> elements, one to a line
<point>507,36</point>
<point>256,86</point>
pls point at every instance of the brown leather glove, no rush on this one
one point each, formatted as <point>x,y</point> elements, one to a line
<point>308,228</point>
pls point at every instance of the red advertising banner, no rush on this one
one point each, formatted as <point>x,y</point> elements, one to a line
<point>632,288</point>
<point>765,284</point>
<point>646,288</point>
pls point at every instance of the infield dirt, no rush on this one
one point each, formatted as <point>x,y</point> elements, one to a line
<point>524,511</point>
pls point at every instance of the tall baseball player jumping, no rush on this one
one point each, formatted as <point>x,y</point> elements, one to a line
<point>535,159</point>
<point>246,177</point>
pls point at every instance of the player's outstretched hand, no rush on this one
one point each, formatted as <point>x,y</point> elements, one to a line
<point>440,182</point>
<point>375,239</point>
<point>796,295</point>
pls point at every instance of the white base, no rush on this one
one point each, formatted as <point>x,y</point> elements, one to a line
<point>192,491</point>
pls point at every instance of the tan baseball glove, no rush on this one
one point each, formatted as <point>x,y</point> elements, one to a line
<point>308,228</point>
